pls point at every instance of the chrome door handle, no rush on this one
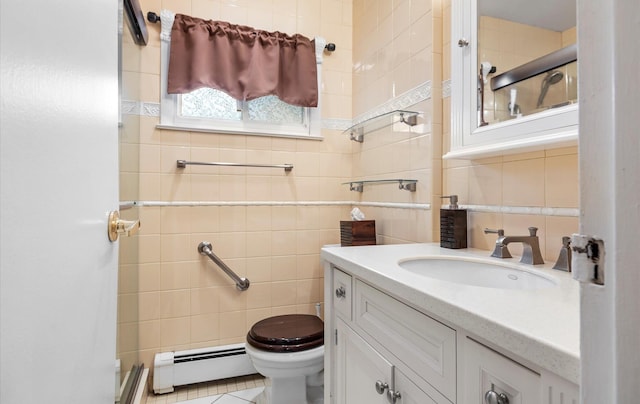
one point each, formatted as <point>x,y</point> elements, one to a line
<point>117,226</point>
<point>381,386</point>
<point>463,42</point>
<point>341,293</point>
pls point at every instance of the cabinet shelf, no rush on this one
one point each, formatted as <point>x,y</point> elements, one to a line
<point>357,131</point>
<point>358,186</point>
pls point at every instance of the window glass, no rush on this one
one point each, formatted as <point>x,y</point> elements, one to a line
<point>272,109</point>
<point>210,103</point>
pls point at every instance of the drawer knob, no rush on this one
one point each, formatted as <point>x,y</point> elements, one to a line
<point>491,397</point>
<point>341,293</point>
<point>381,386</point>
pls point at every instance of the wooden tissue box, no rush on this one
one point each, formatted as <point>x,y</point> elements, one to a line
<point>354,233</point>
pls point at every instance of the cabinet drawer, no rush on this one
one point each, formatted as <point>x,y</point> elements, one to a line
<point>422,343</point>
<point>342,294</point>
<point>486,370</point>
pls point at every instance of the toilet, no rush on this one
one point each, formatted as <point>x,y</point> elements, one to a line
<point>289,350</point>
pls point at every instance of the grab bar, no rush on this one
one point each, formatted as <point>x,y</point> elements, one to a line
<point>204,248</point>
<point>183,164</point>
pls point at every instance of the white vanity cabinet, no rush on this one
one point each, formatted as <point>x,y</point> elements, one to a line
<point>382,350</point>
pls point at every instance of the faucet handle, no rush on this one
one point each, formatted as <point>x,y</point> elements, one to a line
<point>499,232</point>
<point>532,231</point>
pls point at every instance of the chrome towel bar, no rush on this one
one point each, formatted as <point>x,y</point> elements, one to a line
<point>184,163</point>
<point>204,248</point>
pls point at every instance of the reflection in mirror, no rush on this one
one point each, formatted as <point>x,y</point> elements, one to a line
<point>513,33</point>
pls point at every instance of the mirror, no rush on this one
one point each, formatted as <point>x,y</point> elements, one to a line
<point>514,76</point>
<point>510,36</point>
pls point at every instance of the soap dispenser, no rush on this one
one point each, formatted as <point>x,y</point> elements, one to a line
<point>453,225</point>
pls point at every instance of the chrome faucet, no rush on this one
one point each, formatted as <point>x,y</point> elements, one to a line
<point>531,246</point>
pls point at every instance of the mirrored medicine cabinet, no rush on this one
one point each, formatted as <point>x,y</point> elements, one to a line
<point>513,77</point>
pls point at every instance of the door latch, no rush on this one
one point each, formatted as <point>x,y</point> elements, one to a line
<point>587,260</point>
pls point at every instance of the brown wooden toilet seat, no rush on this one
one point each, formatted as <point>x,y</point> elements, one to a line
<point>287,333</point>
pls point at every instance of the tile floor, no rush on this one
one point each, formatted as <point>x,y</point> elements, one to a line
<point>240,390</point>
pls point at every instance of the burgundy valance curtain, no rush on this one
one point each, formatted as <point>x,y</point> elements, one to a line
<point>241,61</point>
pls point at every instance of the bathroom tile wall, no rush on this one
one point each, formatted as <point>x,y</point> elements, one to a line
<point>185,301</point>
<point>397,47</point>
<point>542,179</point>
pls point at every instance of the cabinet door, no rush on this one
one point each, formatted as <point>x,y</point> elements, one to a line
<point>486,370</point>
<point>408,392</point>
<point>358,368</point>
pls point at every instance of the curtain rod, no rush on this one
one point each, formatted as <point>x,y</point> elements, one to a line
<point>155,18</point>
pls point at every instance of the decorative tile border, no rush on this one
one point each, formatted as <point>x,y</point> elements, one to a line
<point>140,108</point>
<point>521,210</point>
<point>516,210</point>
<point>403,101</point>
<point>336,124</point>
<point>446,88</point>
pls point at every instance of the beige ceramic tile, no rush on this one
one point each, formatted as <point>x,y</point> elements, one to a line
<point>259,269</point>
<point>485,184</point>
<point>149,334</point>
<point>232,218</point>
<point>204,219</point>
<point>259,295</point>
<point>561,181</point>
<point>205,327</point>
<point>174,332</point>
<point>308,266</point>
<point>148,249</point>
<point>233,324</point>
<point>175,275</point>
<point>258,244</point>
<point>283,243</point>
<point>177,247</point>
<point>283,294</point>
<point>148,277</point>
<point>457,182</point>
<point>175,303</point>
<point>150,187</point>
<point>309,291</point>
<point>205,300</point>
<point>149,306</point>
<point>231,299</point>
<point>284,268</point>
<point>523,183</point>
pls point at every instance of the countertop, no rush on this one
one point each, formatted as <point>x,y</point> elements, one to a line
<point>541,326</point>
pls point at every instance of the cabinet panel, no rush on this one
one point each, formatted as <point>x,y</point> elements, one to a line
<point>485,370</point>
<point>342,294</point>
<point>410,393</point>
<point>358,367</point>
<point>557,390</point>
<point>422,343</point>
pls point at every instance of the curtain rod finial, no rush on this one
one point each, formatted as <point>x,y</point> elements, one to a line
<point>153,17</point>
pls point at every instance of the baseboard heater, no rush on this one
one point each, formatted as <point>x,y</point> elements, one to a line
<point>178,368</point>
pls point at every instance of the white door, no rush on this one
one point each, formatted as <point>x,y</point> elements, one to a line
<point>609,63</point>
<point>59,180</point>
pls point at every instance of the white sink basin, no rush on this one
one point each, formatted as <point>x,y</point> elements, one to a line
<point>476,273</point>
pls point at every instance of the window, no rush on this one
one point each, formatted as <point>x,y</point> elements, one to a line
<point>210,110</point>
